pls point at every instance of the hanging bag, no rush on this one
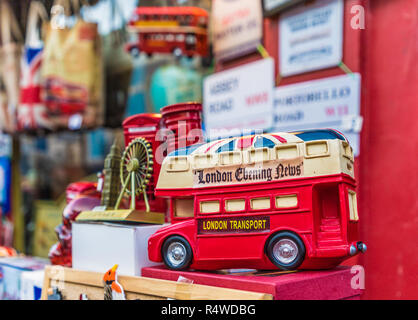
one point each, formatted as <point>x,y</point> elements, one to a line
<point>118,69</point>
<point>10,53</point>
<point>32,113</point>
<point>72,75</point>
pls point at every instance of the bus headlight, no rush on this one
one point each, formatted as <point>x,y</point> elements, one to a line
<point>362,247</point>
<point>353,250</point>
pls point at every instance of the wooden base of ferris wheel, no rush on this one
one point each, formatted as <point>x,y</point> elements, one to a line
<point>122,215</point>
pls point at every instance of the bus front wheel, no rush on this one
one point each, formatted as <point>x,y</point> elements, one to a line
<point>286,250</point>
<point>177,253</point>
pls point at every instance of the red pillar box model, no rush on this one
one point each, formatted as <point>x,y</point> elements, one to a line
<point>183,122</point>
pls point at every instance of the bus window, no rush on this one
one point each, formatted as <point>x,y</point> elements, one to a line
<point>260,203</point>
<point>169,37</point>
<point>205,161</point>
<point>352,202</point>
<point>178,164</point>
<point>233,157</point>
<point>259,155</point>
<point>347,150</point>
<point>286,201</point>
<point>235,205</point>
<point>287,152</point>
<point>180,38</point>
<point>183,208</point>
<point>315,149</point>
<point>190,39</point>
<point>210,206</point>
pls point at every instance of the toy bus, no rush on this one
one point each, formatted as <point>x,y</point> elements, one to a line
<point>171,30</point>
<point>279,200</point>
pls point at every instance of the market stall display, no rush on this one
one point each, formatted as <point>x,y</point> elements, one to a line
<point>197,149</point>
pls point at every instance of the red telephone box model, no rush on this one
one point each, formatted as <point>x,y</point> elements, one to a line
<point>179,30</point>
<point>282,200</point>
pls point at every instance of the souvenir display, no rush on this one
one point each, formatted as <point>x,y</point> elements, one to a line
<point>72,75</point>
<point>10,53</point>
<point>279,200</point>
<point>118,70</point>
<point>197,149</point>
<point>140,164</point>
<point>171,30</point>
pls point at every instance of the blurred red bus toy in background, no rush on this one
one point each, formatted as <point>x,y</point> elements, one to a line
<point>280,200</point>
<point>171,30</point>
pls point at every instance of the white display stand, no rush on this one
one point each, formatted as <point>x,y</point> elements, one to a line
<point>97,246</point>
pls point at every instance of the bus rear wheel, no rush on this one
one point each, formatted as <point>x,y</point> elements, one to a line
<point>177,253</point>
<point>286,250</point>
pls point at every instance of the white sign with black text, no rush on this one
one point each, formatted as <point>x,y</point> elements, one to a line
<point>240,98</point>
<point>326,103</point>
<point>311,38</point>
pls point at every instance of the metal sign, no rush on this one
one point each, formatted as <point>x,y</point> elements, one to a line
<point>326,103</point>
<point>272,7</point>
<point>311,37</point>
<point>239,99</point>
<point>237,27</point>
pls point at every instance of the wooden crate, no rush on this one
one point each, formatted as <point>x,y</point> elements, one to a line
<point>72,283</point>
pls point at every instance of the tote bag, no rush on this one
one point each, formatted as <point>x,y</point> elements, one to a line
<point>32,113</point>
<point>72,75</point>
<point>118,69</point>
<point>10,52</point>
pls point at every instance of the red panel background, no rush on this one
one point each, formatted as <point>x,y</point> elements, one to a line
<point>385,54</point>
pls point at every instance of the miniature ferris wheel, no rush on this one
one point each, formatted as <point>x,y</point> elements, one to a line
<point>135,171</point>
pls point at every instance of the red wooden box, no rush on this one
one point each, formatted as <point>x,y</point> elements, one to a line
<point>332,284</point>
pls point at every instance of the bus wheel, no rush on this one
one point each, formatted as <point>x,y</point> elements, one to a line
<point>177,253</point>
<point>286,250</point>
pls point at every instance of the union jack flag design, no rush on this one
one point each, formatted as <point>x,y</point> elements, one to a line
<point>266,140</point>
<point>32,113</point>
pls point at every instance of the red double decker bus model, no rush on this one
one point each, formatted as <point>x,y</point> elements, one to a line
<point>280,200</point>
<point>178,30</point>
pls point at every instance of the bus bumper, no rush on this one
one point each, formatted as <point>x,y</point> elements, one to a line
<point>342,251</point>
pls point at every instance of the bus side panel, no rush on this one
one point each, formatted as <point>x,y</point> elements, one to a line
<point>243,246</point>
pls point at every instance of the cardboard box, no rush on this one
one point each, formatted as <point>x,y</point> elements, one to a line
<point>31,285</point>
<point>11,271</point>
<point>48,215</point>
<point>332,284</point>
<point>98,246</point>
